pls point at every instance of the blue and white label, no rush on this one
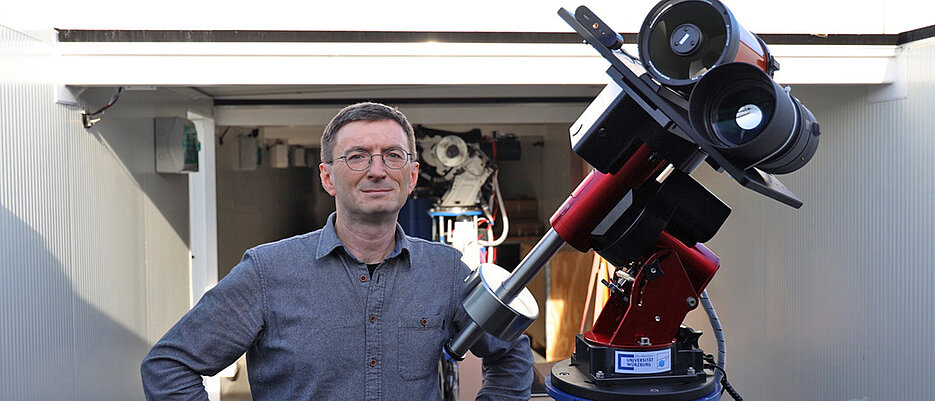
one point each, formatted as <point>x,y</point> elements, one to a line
<point>643,362</point>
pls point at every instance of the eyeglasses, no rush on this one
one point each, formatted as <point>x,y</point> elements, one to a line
<point>359,160</point>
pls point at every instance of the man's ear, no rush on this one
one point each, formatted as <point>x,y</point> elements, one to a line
<point>324,171</point>
<point>415,177</point>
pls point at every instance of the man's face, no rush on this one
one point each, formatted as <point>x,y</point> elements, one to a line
<point>376,190</point>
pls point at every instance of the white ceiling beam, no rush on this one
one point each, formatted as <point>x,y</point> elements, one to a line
<point>528,113</point>
<point>206,64</point>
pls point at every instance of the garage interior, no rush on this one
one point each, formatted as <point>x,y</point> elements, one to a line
<point>547,170</point>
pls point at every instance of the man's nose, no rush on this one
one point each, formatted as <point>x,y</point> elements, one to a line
<point>377,168</point>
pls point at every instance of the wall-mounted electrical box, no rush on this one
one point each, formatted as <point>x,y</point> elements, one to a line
<point>250,153</point>
<point>177,145</point>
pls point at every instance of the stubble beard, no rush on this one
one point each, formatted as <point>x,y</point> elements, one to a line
<point>376,211</point>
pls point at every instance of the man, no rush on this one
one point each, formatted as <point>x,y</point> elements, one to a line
<point>354,311</point>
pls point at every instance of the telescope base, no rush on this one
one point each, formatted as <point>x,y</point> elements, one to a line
<point>568,383</point>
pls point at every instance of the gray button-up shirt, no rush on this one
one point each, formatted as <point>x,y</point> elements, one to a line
<point>316,326</point>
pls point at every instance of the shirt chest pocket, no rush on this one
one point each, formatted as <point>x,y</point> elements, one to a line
<point>420,343</point>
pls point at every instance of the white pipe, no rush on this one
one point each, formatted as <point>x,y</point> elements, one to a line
<point>506,220</point>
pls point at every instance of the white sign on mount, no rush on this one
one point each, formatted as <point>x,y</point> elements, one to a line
<point>643,362</point>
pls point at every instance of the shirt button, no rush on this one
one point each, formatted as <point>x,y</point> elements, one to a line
<point>363,279</point>
<point>373,362</point>
<point>425,322</point>
<point>373,318</point>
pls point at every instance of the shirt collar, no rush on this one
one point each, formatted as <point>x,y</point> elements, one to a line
<point>328,241</point>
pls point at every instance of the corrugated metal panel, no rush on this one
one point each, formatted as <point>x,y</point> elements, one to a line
<point>833,301</point>
<point>38,317</point>
<point>109,269</point>
<point>76,208</point>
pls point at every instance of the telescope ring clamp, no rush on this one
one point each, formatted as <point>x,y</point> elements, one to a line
<point>489,313</point>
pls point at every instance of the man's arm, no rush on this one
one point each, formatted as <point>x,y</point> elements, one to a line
<point>211,336</point>
<point>507,366</point>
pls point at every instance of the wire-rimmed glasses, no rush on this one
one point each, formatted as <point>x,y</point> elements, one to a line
<point>359,160</point>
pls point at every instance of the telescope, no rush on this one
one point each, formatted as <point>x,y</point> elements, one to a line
<point>701,91</point>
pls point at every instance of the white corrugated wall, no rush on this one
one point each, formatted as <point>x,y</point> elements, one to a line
<point>834,301</point>
<point>93,243</point>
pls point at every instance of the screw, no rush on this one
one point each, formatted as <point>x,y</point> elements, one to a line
<point>599,374</point>
<point>692,302</point>
<point>563,373</point>
<point>658,319</point>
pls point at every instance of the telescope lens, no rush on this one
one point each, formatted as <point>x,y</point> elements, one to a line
<point>687,40</point>
<point>741,114</point>
<point>739,109</point>
<point>749,116</point>
<point>681,40</point>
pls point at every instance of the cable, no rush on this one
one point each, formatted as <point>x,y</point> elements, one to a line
<point>721,347</point>
<point>725,385</point>
<point>87,119</point>
<point>221,138</point>
<point>492,212</point>
<point>718,330</point>
<point>506,221</point>
<point>730,389</point>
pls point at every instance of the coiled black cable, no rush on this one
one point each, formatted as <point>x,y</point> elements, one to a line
<point>725,385</point>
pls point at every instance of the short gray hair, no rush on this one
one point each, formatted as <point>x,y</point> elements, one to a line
<point>366,111</point>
